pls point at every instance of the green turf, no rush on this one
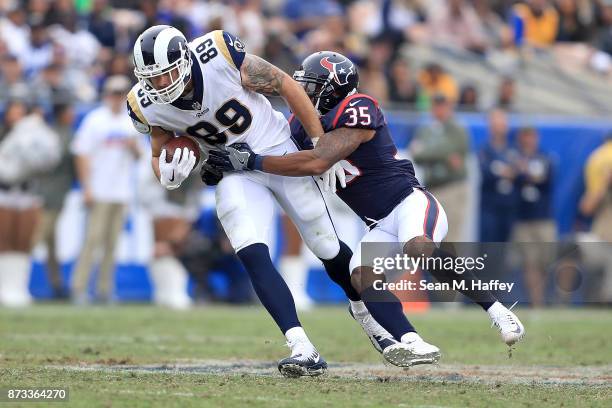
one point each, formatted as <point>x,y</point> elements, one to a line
<point>50,335</point>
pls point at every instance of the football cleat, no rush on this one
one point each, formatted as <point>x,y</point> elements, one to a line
<point>305,360</point>
<point>510,327</point>
<point>379,337</point>
<point>412,350</point>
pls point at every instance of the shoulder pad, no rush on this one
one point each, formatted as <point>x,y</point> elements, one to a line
<point>230,47</point>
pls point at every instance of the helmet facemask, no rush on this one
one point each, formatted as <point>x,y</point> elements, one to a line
<point>317,90</point>
<point>181,68</point>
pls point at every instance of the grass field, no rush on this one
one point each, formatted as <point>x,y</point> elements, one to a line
<point>140,356</point>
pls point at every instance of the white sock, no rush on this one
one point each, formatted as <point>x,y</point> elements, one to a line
<point>169,278</point>
<point>295,334</point>
<point>14,279</point>
<point>358,307</point>
<point>410,337</point>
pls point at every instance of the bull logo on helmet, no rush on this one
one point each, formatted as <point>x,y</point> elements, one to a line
<point>341,70</point>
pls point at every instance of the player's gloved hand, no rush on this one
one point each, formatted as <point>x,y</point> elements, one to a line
<point>172,174</point>
<point>236,157</point>
<point>211,176</point>
<point>333,175</point>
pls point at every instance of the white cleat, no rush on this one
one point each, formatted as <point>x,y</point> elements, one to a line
<point>305,361</point>
<point>412,350</point>
<point>379,337</point>
<point>510,327</point>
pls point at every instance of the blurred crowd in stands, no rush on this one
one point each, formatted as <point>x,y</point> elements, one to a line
<point>64,49</point>
<point>62,56</point>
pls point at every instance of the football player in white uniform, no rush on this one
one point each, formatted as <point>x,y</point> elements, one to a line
<point>212,91</point>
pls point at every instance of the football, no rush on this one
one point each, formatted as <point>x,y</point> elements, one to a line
<point>178,143</point>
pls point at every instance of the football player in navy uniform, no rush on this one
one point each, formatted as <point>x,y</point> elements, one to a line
<point>380,188</point>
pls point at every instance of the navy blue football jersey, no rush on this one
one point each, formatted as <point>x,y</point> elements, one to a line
<point>376,180</point>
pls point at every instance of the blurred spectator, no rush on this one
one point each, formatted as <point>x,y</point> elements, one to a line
<point>278,51</point>
<point>498,202</point>
<point>457,25</point>
<point>597,199</point>
<point>15,225</point>
<point>27,146</point>
<point>372,80</point>
<point>38,10</point>
<point>440,149</point>
<point>403,88</point>
<point>434,80</point>
<point>497,32</point>
<point>400,19</point>
<point>304,16</point>
<point>535,229</point>
<point>100,23</point>
<point>80,47</point>
<point>604,37</point>
<point>468,100</point>
<point>576,18</point>
<point>597,203</point>
<point>12,82</point>
<point>53,188</point>
<point>535,23</point>
<point>40,52</point>
<point>14,30</point>
<point>506,94</point>
<point>106,146</point>
<point>52,85</point>
<point>372,75</point>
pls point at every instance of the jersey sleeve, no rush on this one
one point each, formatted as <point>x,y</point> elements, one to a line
<point>230,47</point>
<point>138,119</point>
<point>357,111</point>
<point>298,134</point>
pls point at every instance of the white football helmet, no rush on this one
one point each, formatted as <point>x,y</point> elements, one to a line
<point>159,50</point>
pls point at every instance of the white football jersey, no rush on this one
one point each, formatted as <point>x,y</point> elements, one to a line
<point>221,110</point>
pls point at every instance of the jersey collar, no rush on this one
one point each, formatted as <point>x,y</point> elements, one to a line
<point>198,89</point>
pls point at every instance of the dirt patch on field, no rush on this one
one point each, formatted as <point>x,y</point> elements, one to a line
<point>600,376</point>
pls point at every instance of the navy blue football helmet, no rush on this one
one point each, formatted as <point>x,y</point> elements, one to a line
<point>327,77</point>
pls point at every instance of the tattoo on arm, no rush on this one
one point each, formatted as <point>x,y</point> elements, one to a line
<point>260,76</point>
<point>339,143</point>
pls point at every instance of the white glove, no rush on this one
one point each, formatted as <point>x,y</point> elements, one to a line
<point>336,172</point>
<point>172,174</point>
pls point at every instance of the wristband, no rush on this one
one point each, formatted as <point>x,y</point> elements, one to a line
<point>258,162</point>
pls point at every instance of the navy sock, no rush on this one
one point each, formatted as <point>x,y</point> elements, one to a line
<point>269,286</point>
<point>338,270</point>
<point>484,298</point>
<point>387,310</point>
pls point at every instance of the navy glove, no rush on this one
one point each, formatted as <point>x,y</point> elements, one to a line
<point>236,157</point>
<point>210,175</point>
